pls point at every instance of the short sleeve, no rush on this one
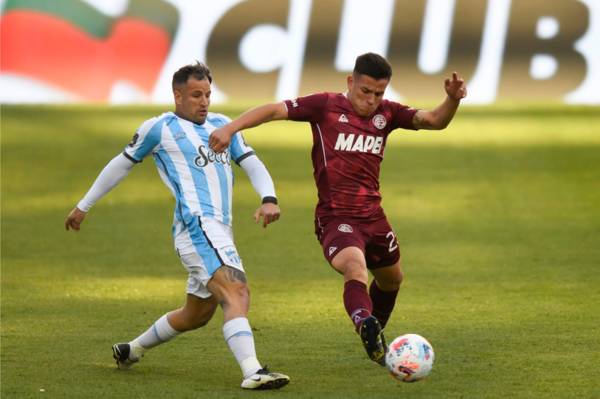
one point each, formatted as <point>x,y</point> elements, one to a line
<point>402,116</point>
<point>238,148</point>
<point>308,108</point>
<point>144,141</point>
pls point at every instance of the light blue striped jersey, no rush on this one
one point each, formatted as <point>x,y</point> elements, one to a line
<point>200,179</point>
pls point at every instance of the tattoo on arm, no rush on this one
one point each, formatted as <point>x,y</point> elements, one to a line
<point>419,121</point>
<point>234,275</point>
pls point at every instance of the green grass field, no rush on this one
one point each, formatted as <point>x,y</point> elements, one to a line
<point>498,219</point>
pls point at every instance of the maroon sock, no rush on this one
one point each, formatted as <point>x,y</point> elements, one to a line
<point>383,303</point>
<point>357,301</point>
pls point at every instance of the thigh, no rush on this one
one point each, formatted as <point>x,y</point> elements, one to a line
<point>198,275</point>
<point>382,247</point>
<point>212,248</point>
<point>227,279</point>
<point>350,262</point>
<point>219,237</point>
<point>336,234</point>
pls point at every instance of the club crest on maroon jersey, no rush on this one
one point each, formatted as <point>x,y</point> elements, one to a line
<point>345,228</point>
<point>379,121</point>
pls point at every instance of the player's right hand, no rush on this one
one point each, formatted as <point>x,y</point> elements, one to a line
<point>74,219</point>
<point>219,139</point>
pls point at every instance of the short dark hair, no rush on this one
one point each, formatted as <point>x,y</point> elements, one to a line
<point>373,65</point>
<point>198,71</point>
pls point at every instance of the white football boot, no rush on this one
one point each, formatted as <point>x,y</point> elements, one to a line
<point>125,356</point>
<point>264,379</point>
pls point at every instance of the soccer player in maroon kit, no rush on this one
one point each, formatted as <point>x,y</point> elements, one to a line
<point>349,136</point>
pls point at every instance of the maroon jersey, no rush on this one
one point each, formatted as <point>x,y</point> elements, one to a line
<point>347,150</point>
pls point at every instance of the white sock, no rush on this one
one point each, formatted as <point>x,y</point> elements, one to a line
<point>160,332</point>
<point>239,338</point>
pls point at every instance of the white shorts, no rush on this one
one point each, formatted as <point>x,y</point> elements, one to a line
<point>212,247</point>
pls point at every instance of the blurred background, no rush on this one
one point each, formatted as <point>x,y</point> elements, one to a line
<point>125,51</point>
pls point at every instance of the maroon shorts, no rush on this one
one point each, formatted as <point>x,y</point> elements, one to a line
<point>374,236</point>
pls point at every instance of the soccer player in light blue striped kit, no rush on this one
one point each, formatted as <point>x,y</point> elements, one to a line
<point>201,182</point>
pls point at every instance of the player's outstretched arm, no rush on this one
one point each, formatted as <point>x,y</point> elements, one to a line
<point>220,138</point>
<point>262,183</point>
<point>111,175</point>
<point>441,116</point>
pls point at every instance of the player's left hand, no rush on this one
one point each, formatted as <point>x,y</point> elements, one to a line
<point>455,87</point>
<point>268,212</point>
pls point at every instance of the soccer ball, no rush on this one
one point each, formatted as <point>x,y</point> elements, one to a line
<point>409,358</point>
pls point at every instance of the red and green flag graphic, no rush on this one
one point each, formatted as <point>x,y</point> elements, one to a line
<point>72,46</point>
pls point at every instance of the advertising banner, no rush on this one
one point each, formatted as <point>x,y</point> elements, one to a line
<point>125,51</point>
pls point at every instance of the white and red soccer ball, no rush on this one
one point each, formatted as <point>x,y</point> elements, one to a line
<point>409,358</point>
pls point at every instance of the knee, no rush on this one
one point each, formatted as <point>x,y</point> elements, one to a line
<point>355,270</point>
<point>242,292</point>
<point>229,285</point>
<point>238,290</point>
<point>391,282</point>
<point>236,293</point>
<point>350,262</point>
<point>396,280</point>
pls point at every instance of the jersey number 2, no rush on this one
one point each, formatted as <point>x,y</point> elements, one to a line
<point>393,242</point>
